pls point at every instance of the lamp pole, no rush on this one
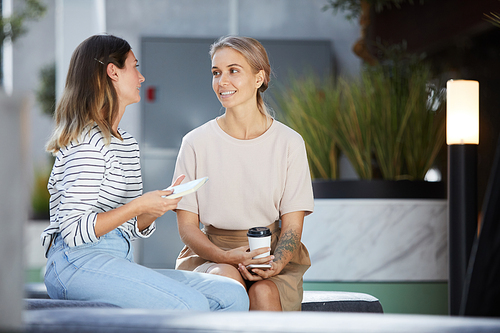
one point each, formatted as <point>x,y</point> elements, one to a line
<point>462,138</point>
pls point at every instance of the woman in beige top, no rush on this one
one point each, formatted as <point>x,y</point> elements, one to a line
<point>258,175</point>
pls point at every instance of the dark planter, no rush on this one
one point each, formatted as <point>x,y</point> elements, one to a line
<point>378,189</point>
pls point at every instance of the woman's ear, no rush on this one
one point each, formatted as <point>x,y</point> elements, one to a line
<point>260,78</point>
<point>112,71</point>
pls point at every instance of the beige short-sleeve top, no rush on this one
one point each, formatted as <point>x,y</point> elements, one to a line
<point>251,182</point>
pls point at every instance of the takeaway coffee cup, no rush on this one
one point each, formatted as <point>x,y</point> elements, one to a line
<point>259,237</point>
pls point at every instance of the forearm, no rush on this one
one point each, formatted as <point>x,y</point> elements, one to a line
<point>289,241</point>
<point>196,240</point>
<point>147,208</point>
<point>144,221</point>
<point>110,220</point>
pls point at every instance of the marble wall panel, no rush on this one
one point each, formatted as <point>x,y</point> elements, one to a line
<point>377,240</point>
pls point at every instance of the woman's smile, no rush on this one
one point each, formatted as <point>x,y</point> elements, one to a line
<point>225,94</point>
<point>233,79</point>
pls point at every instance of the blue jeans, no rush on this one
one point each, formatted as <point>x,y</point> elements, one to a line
<point>104,271</point>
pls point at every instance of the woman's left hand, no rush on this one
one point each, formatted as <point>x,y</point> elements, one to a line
<point>289,241</point>
<point>257,274</point>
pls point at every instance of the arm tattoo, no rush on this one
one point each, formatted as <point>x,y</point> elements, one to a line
<point>287,244</point>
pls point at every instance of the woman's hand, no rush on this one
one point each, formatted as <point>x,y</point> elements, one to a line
<point>243,255</point>
<point>146,208</point>
<point>156,204</point>
<point>257,274</point>
<point>289,241</point>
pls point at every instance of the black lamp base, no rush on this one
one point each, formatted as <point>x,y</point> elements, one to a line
<point>462,217</point>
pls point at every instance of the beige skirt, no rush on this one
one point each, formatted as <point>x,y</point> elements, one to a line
<point>289,280</point>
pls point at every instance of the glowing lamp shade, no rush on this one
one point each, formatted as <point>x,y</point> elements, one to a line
<point>462,112</point>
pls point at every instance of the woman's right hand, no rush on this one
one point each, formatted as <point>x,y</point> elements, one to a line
<point>243,255</point>
<point>156,204</point>
<point>146,208</point>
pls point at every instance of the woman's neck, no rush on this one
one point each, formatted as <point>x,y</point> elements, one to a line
<point>116,123</point>
<point>244,125</point>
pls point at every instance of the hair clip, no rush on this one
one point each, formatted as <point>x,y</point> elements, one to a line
<point>98,60</point>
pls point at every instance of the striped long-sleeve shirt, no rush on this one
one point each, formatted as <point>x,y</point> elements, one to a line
<point>89,177</point>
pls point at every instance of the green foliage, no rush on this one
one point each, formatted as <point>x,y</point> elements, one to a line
<point>46,93</point>
<point>14,26</point>
<point>493,18</point>
<point>407,133</point>
<point>410,132</point>
<point>40,196</point>
<point>303,103</point>
<point>391,119</point>
<point>350,124</point>
<point>352,8</point>
<point>422,143</point>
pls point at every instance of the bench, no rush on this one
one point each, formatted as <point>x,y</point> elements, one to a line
<point>330,301</point>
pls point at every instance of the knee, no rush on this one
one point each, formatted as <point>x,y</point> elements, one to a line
<point>226,294</point>
<point>262,290</point>
<point>237,297</point>
<point>227,271</point>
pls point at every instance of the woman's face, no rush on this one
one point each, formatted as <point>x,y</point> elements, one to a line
<point>233,81</point>
<point>129,81</point>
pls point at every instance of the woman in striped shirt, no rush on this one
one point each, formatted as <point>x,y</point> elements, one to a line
<point>97,207</point>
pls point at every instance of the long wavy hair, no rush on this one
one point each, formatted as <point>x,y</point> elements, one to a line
<point>256,55</point>
<point>89,95</point>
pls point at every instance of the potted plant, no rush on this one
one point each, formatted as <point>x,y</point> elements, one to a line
<point>389,123</point>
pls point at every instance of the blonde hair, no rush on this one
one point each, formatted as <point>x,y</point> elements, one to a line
<point>256,55</point>
<point>89,95</point>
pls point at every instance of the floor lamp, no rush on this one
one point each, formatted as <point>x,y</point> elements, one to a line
<point>462,138</point>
